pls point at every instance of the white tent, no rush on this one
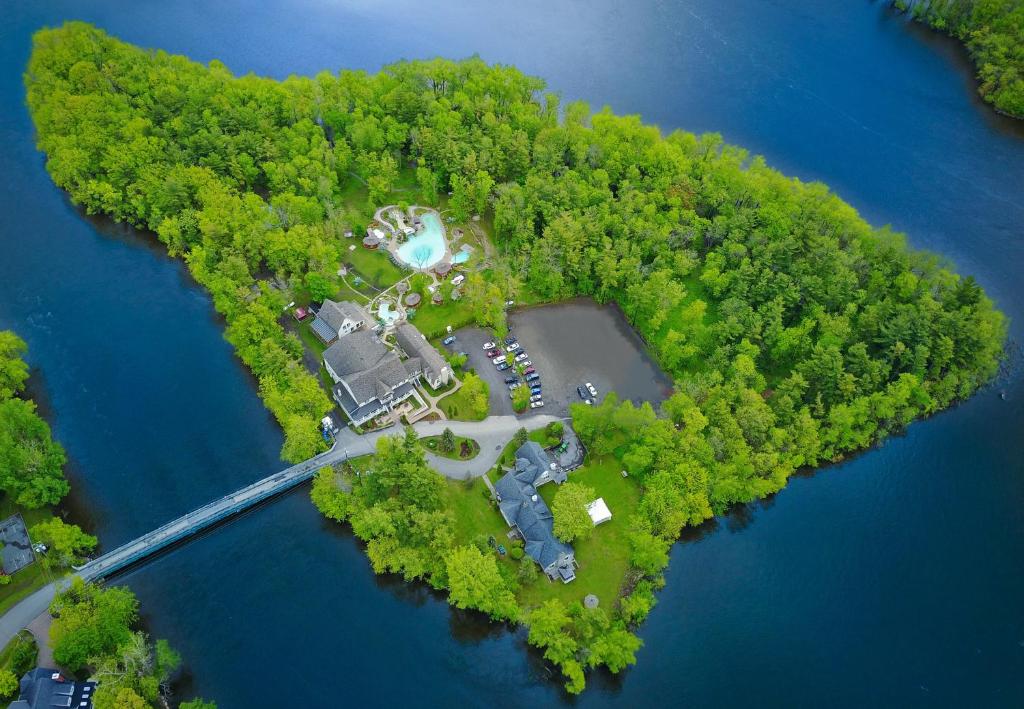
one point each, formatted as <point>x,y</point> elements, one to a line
<point>599,511</point>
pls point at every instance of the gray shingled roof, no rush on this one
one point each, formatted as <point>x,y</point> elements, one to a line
<point>336,313</point>
<point>368,367</point>
<point>531,516</point>
<point>415,345</point>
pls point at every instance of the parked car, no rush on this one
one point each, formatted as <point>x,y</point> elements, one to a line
<point>493,352</point>
<point>514,385</point>
<point>503,366</point>
<point>536,397</point>
<point>490,345</point>
<point>529,369</point>
<point>499,360</point>
<point>591,389</point>
<point>521,356</point>
<point>532,377</point>
<point>511,380</point>
<point>510,339</point>
<point>536,390</point>
<point>448,340</point>
<point>525,363</point>
<point>513,347</point>
<point>582,392</point>
<point>536,404</point>
<point>509,303</point>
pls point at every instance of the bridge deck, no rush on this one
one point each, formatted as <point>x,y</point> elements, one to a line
<point>201,518</point>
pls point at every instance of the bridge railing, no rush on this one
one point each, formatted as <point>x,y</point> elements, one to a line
<point>200,518</point>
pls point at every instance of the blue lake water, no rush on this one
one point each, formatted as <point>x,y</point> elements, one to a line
<point>427,247</point>
<point>893,579</point>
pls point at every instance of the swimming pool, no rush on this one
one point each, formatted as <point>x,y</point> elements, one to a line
<point>385,313</point>
<point>427,247</point>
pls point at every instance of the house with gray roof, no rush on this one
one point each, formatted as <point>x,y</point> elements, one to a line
<point>369,378</point>
<point>527,513</point>
<point>44,689</point>
<point>436,371</point>
<point>335,320</point>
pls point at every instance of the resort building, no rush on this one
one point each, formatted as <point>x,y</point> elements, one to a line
<point>369,378</point>
<point>336,320</point>
<point>526,512</point>
<point>41,688</point>
<point>436,371</point>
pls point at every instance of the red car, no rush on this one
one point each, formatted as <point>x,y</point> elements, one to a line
<point>529,370</point>
<point>493,352</point>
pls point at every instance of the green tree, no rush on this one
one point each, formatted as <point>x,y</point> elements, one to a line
<point>474,582</point>
<point>520,398</point>
<point>447,440</point>
<point>67,543</point>
<point>13,369</point>
<point>31,462</point>
<point>197,704</point>
<point>90,622</point>
<point>8,684</point>
<point>569,508</point>
<point>521,437</point>
<point>333,502</point>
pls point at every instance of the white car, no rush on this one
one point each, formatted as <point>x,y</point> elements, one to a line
<point>536,404</point>
<point>513,346</point>
<point>489,345</point>
<point>498,360</point>
<point>521,356</point>
<point>527,363</point>
<point>537,397</point>
<point>591,389</point>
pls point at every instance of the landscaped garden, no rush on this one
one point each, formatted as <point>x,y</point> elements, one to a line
<point>448,445</point>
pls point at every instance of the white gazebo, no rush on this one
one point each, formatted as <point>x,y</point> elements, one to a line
<point>598,511</point>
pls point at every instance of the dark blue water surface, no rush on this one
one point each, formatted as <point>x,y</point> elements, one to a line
<point>897,578</point>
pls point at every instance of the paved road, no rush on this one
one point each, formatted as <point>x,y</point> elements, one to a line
<point>25,611</point>
<point>493,434</point>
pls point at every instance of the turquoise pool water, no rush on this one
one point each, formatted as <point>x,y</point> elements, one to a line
<point>385,313</point>
<point>427,247</point>
<point>460,257</point>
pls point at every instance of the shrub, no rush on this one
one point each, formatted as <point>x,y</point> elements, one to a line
<point>516,553</point>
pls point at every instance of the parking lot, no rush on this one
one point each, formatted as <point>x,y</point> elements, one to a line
<point>570,344</point>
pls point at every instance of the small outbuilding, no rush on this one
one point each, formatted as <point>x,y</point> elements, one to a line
<point>370,241</point>
<point>402,287</point>
<point>413,299</point>
<point>599,512</point>
<point>443,269</point>
<point>437,298</point>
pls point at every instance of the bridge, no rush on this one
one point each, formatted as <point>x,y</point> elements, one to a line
<point>199,519</point>
<point>492,434</point>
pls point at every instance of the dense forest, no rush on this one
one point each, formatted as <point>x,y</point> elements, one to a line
<point>993,31</point>
<point>796,332</point>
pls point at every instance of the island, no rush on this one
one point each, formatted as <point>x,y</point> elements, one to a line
<point>697,326</point>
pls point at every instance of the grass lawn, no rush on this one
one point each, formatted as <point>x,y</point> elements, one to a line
<point>373,265</point>
<point>604,557</point>
<point>433,320</point>
<point>474,513</point>
<point>458,407</point>
<point>465,448</point>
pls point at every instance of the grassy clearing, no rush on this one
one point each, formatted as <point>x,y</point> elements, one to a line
<point>474,513</point>
<point>374,266</point>
<point>604,557</point>
<point>465,448</point>
<point>19,656</point>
